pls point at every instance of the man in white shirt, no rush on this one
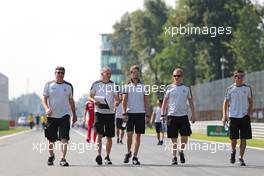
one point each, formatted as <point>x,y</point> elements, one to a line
<point>57,101</point>
<point>159,122</point>
<point>175,105</point>
<point>135,113</point>
<point>239,103</point>
<point>104,114</point>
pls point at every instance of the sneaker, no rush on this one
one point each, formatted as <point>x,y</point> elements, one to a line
<point>161,142</point>
<point>50,161</point>
<point>233,157</point>
<point>64,163</point>
<point>182,158</point>
<point>121,142</point>
<point>107,161</point>
<point>135,161</point>
<point>241,162</point>
<point>88,140</point>
<point>174,161</point>
<point>158,143</point>
<point>128,155</point>
<point>118,140</point>
<point>99,160</point>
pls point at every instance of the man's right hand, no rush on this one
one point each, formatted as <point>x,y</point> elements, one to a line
<point>48,112</point>
<point>224,120</point>
<point>125,118</point>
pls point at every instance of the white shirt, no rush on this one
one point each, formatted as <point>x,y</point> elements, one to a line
<point>107,90</point>
<point>177,99</point>
<point>135,100</point>
<point>58,97</point>
<point>238,100</point>
<point>157,111</point>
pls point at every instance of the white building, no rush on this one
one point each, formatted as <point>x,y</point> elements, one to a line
<point>4,99</point>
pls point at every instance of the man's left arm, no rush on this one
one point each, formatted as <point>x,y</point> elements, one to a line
<point>74,115</point>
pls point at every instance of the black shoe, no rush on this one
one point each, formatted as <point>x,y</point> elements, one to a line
<point>88,140</point>
<point>135,161</point>
<point>107,161</point>
<point>174,161</point>
<point>182,158</point>
<point>233,157</point>
<point>241,162</point>
<point>118,140</point>
<point>158,143</point>
<point>64,163</point>
<point>121,142</point>
<point>161,142</point>
<point>50,161</point>
<point>128,155</point>
<point>99,160</point>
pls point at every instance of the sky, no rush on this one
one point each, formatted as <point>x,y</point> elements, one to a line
<point>37,35</point>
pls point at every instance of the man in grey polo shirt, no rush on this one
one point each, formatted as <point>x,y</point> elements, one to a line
<point>104,116</point>
<point>57,101</point>
<point>239,102</point>
<point>175,102</point>
<point>135,109</point>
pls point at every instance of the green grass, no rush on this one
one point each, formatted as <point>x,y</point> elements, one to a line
<point>258,142</point>
<point>12,131</point>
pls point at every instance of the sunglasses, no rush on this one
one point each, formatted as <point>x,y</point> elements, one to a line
<point>239,76</point>
<point>177,76</point>
<point>60,73</point>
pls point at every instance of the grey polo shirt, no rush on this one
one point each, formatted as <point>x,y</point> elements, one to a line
<point>107,90</point>
<point>136,93</point>
<point>58,95</point>
<point>178,96</point>
<point>238,100</point>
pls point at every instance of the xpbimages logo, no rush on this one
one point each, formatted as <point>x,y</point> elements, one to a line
<point>212,31</point>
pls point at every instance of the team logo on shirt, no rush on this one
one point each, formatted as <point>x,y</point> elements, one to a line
<point>65,90</point>
<point>244,92</point>
<point>184,91</point>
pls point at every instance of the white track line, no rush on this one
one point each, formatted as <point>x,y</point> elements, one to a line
<point>200,140</point>
<point>83,135</point>
<point>15,134</point>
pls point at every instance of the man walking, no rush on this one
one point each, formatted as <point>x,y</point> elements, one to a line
<point>57,98</point>
<point>175,102</point>
<point>159,123</point>
<point>102,91</point>
<point>120,125</point>
<point>135,109</point>
<point>239,102</point>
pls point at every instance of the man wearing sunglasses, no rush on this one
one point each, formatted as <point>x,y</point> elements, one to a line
<point>135,110</point>
<point>175,105</point>
<point>239,103</point>
<point>57,101</point>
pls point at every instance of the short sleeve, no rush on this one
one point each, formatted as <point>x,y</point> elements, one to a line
<point>46,90</point>
<point>93,89</point>
<point>250,94</point>
<point>227,94</point>
<point>71,92</point>
<point>125,89</point>
<point>189,95</point>
<point>146,90</point>
<point>167,92</point>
